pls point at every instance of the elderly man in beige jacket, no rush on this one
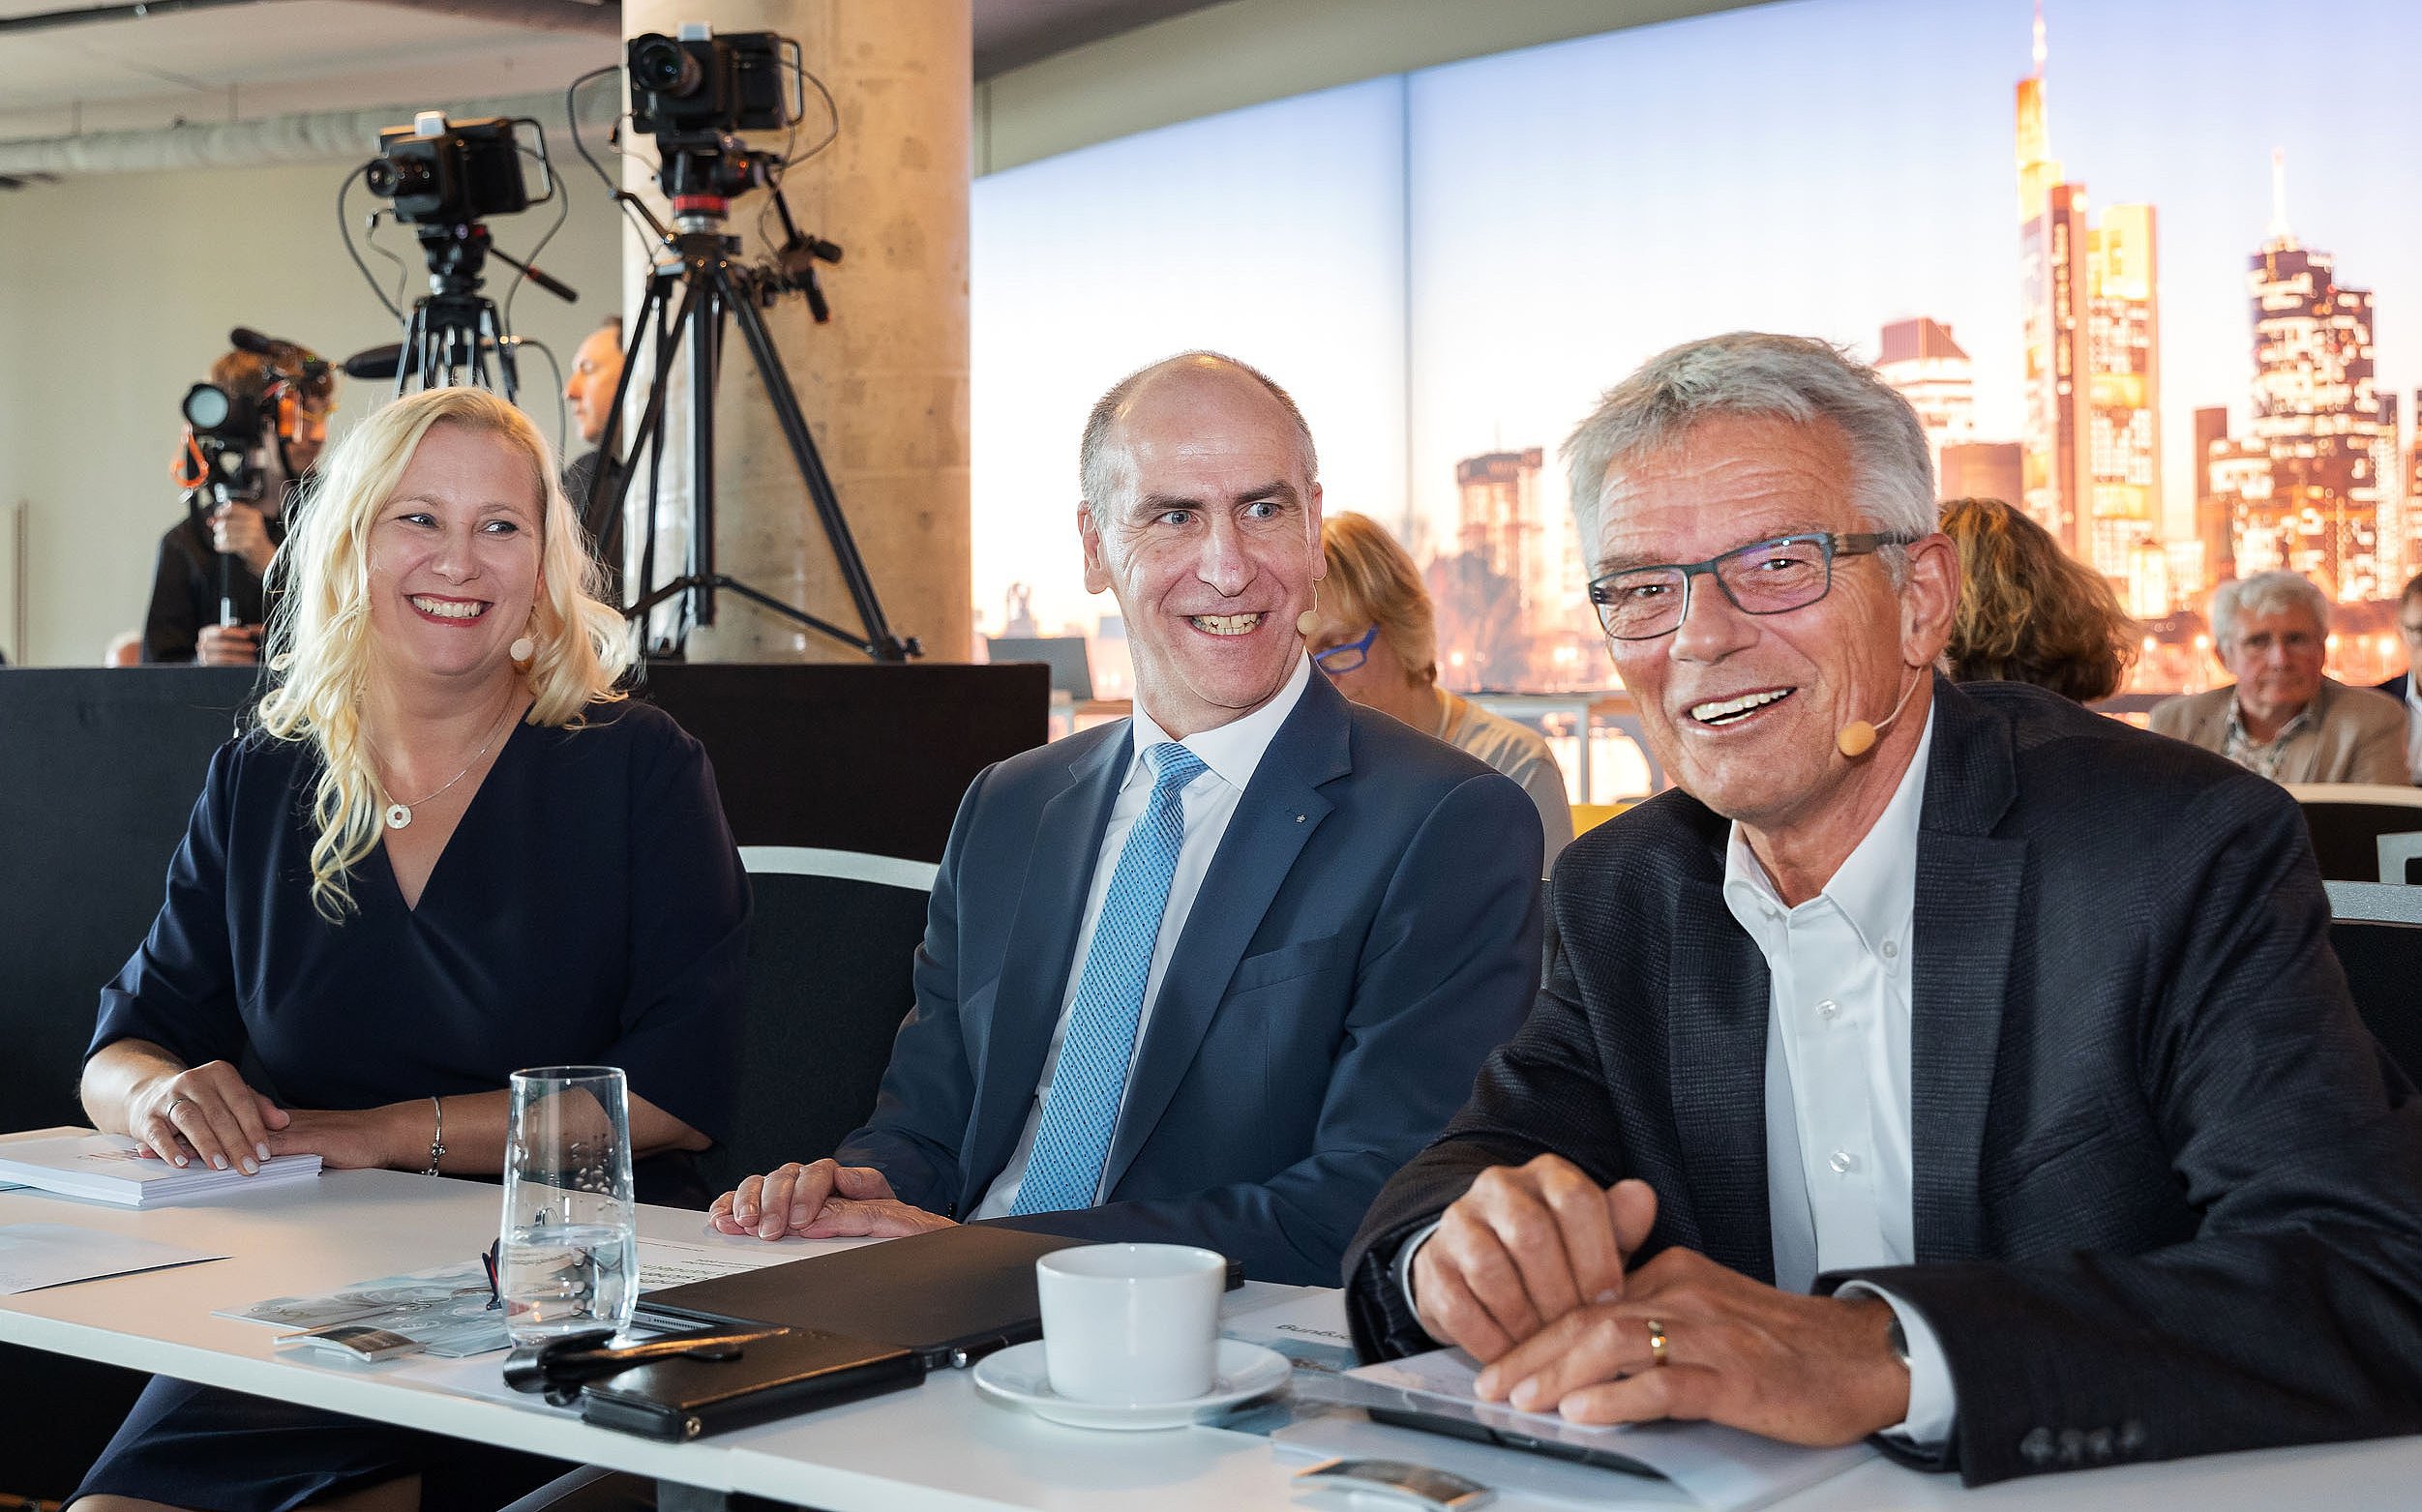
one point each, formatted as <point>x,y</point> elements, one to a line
<point>2282,718</point>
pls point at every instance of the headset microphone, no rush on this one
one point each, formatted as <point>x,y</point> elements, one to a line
<point>1858,737</point>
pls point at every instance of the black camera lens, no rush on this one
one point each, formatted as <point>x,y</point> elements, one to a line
<point>206,407</point>
<point>662,66</point>
<point>387,177</point>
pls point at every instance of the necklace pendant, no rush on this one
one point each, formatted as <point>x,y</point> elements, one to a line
<point>398,816</point>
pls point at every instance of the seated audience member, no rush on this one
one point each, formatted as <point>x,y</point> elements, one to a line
<point>446,852</point>
<point>1946,1063</point>
<point>1209,974</point>
<point>596,369</point>
<point>2401,686</point>
<point>1375,634</point>
<point>2029,613</point>
<point>183,621</point>
<point>2282,718</point>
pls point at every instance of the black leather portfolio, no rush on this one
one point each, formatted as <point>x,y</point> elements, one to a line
<point>792,1371</point>
<point>948,1297</point>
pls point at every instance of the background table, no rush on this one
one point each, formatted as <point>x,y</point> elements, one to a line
<point>937,1448</point>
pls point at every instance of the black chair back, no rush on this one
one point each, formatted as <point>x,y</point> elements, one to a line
<point>831,943</point>
<point>2376,931</point>
<point>2346,821</point>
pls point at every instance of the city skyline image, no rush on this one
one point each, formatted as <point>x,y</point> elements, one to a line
<point>2128,270</point>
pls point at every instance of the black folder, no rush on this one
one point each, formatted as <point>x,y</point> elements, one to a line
<point>948,1297</point>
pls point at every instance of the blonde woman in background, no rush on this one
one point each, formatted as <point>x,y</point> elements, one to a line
<point>447,850</point>
<point>2029,613</point>
<point>1376,637</point>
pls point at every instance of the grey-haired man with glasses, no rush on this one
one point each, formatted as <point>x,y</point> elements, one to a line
<point>1952,1065</point>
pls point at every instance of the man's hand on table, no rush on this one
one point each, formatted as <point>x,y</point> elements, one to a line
<point>1526,1273</point>
<point>823,1200</point>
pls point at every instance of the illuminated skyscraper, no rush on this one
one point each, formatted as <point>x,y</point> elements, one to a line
<point>1497,495</point>
<point>2317,416</point>
<point>2092,438</point>
<point>1918,359</point>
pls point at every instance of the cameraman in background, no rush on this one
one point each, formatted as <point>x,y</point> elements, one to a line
<point>240,474</point>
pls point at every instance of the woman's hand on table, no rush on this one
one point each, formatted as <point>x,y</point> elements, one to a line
<point>823,1200</point>
<point>205,1113</point>
<point>353,1141</point>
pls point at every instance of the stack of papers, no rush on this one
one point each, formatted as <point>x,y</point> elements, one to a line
<point>109,1167</point>
<point>34,1256</point>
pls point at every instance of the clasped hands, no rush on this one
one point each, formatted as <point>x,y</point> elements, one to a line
<point>823,1200</point>
<point>1527,1273</point>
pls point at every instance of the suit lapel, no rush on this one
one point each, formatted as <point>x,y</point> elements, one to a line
<point>1276,816</point>
<point>1970,886</point>
<point>1715,1040</point>
<point>1042,940</point>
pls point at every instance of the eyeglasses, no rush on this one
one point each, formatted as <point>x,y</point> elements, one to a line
<point>1349,656</point>
<point>1763,578</point>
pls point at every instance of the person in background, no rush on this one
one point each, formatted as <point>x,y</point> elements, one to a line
<point>2403,687</point>
<point>2029,613</point>
<point>318,982</point>
<point>1375,633</point>
<point>182,623</point>
<point>1948,1064</point>
<point>2282,718</point>
<point>596,369</point>
<point>1209,974</point>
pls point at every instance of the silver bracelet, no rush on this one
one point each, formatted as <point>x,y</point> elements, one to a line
<point>437,1137</point>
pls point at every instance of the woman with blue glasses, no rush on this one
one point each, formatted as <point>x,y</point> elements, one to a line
<point>1375,633</point>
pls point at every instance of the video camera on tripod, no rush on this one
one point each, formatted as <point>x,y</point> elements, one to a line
<point>443,178</point>
<point>692,93</point>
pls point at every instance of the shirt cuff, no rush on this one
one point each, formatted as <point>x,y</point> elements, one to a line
<point>1404,1275</point>
<point>1933,1406</point>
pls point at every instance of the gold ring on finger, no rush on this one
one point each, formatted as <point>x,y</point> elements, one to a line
<point>1656,1343</point>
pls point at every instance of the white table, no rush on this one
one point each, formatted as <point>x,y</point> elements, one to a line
<point>937,1448</point>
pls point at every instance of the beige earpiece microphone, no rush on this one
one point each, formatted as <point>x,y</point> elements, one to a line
<point>1858,737</point>
<point>1310,617</point>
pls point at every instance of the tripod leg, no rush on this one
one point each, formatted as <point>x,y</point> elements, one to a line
<point>887,648</point>
<point>706,337</point>
<point>504,353</point>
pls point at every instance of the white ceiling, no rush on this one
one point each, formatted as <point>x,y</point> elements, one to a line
<point>274,57</point>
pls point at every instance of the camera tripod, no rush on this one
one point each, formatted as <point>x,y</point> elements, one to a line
<point>711,292</point>
<point>453,327</point>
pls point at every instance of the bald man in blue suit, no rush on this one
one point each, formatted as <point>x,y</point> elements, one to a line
<point>1212,974</point>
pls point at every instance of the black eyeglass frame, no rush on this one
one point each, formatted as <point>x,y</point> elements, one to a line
<point>1831,544</point>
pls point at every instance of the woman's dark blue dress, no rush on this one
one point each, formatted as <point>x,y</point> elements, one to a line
<point>588,908</point>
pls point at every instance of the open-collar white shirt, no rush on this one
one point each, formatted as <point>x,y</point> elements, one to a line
<point>1230,755</point>
<point>1839,1161</point>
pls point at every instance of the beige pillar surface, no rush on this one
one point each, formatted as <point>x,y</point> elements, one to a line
<point>884,385</point>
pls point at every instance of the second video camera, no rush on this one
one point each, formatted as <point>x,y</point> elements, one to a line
<point>701,82</point>
<point>441,172</point>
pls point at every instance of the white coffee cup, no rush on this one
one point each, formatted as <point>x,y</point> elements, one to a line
<point>1130,1323</point>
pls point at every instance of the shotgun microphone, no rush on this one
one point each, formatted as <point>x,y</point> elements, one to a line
<point>1858,737</point>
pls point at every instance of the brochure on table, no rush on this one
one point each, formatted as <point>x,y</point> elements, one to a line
<point>34,1256</point>
<point>110,1168</point>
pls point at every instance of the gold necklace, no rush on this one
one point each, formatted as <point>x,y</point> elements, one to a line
<point>400,814</point>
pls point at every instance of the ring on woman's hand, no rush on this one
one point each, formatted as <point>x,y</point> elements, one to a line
<point>170,1109</point>
<point>1656,1343</point>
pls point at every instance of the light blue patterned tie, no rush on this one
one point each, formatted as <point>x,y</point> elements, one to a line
<point>1066,1165</point>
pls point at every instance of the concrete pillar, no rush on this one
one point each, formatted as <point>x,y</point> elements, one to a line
<point>883,386</point>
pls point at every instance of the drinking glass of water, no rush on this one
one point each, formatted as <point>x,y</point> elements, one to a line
<point>567,1258</point>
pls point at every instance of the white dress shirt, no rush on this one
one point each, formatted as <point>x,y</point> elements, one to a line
<point>2414,722</point>
<point>1231,753</point>
<point>1838,1185</point>
<point>1838,1151</point>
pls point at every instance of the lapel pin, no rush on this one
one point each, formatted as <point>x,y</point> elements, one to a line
<point>1299,818</point>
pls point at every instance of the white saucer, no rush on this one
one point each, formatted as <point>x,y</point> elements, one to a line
<point>1242,1372</point>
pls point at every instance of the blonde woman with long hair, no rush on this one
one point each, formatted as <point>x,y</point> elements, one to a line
<point>446,850</point>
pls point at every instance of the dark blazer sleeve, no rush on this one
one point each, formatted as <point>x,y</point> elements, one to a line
<point>172,622</point>
<point>927,1098</point>
<point>2294,1312</point>
<point>1446,975</point>
<point>679,1039</point>
<point>177,991</point>
<point>1541,1091</point>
